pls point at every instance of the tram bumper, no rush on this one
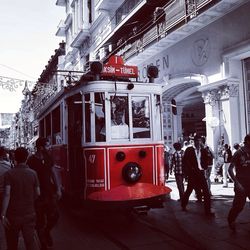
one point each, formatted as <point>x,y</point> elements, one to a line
<point>139,194</point>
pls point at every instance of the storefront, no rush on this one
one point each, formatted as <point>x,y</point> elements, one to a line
<point>207,74</point>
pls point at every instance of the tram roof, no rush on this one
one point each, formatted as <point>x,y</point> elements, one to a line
<point>112,86</point>
<point>121,87</point>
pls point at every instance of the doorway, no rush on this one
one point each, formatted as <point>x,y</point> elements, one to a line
<point>192,117</point>
<point>76,167</point>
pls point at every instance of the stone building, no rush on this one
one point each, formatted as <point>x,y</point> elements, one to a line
<point>201,48</point>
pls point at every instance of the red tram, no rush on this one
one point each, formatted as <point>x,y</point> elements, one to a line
<point>106,136</point>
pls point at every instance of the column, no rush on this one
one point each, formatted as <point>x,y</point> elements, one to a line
<point>211,101</point>
<point>230,112</point>
<point>177,123</point>
<point>85,14</point>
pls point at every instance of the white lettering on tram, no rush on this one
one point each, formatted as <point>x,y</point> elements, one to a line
<point>122,70</point>
<point>92,159</point>
<point>95,182</point>
<point>126,70</point>
<point>109,69</point>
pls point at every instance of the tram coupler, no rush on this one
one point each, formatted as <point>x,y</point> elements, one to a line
<point>141,210</point>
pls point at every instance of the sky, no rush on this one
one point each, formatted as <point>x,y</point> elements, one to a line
<point>27,41</point>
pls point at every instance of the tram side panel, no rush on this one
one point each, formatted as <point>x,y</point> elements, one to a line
<point>59,154</point>
<point>159,152</point>
<point>95,170</point>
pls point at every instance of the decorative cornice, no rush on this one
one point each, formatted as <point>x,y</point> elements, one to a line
<point>219,90</point>
<point>218,84</point>
<point>230,91</point>
<point>211,97</point>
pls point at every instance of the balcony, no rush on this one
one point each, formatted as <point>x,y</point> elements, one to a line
<point>61,2</point>
<point>79,37</point>
<point>64,25</point>
<point>180,21</point>
<point>125,9</point>
<point>61,29</point>
<point>110,5</point>
<point>68,20</point>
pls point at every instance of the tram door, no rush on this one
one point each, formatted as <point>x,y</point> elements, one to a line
<point>74,144</point>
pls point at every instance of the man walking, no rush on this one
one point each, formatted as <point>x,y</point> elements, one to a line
<point>227,155</point>
<point>241,163</point>
<point>18,211</point>
<point>46,205</point>
<point>210,160</point>
<point>4,167</point>
<point>177,167</point>
<point>194,161</point>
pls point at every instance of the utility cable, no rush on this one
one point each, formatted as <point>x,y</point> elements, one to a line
<point>3,65</point>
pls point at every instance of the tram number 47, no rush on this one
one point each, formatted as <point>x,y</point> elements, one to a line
<point>92,159</point>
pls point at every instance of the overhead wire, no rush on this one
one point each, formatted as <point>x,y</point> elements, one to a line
<point>146,26</point>
<point>18,71</point>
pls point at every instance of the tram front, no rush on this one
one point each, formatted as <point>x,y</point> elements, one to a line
<point>123,144</point>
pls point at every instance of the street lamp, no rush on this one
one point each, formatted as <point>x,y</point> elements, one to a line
<point>212,121</point>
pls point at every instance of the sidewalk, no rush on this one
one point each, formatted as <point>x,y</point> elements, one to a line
<point>212,233</point>
<point>216,189</point>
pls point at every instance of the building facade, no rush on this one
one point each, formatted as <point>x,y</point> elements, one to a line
<point>5,124</point>
<point>201,48</point>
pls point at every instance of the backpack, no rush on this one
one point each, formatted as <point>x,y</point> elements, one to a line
<point>229,156</point>
<point>210,156</point>
<point>244,158</point>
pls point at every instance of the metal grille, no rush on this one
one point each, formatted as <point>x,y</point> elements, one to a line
<point>247,88</point>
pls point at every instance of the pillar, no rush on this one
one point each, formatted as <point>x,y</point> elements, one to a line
<point>222,103</point>
<point>229,112</point>
<point>211,101</point>
<point>177,123</point>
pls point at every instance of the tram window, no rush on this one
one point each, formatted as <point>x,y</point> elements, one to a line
<point>119,117</point>
<point>100,129</point>
<point>87,118</point>
<point>157,118</point>
<point>56,131</point>
<point>41,128</point>
<point>48,127</point>
<point>141,117</point>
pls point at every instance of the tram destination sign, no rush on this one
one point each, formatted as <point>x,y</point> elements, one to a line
<point>116,67</point>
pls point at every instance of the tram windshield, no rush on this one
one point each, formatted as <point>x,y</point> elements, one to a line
<point>112,117</point>
<point>100,128</point>
<point>119,117</point>
<point>141,117</point>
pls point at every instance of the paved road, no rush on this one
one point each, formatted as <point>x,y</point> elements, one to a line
<point>166,228</point>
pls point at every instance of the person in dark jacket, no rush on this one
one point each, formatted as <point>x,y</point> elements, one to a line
<point>195,162</point>
<point>18,211</point>
<point>240,164</point>
<point>177,167</point>
<point>4,167</point>
<point>227,155</point>
<point>166,162</point>
<point>46,206</point>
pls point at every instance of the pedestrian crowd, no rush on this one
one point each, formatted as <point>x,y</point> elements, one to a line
<point>29,194</point>
<point>193,162</point>
<point>30,188</point>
